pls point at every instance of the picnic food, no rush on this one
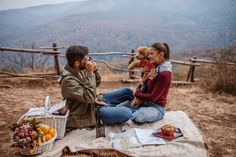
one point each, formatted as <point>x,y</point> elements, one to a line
<point>29,134</point>
<point>44,128</point>
<point>51,132</point>
<point>23,135</point>
<point>168,130</point>
<point>48,137</point>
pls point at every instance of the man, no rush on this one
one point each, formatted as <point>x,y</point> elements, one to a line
<point>79,80</point>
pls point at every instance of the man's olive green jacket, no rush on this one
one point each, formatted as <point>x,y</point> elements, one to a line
<point>79,89</point>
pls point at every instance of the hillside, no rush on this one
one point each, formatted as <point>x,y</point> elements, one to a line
<point>109,25</point>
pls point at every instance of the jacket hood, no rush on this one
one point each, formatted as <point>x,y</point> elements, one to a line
<point>66,71</point>
<point>166,66</point>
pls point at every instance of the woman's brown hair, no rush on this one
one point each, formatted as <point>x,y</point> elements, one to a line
<point>162,47</point>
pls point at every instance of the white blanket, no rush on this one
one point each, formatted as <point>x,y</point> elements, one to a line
<point>191,145</point>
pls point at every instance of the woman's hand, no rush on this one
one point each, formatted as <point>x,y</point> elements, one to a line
<point>137,91</point>
<point>153,72</point>
<point>146,69</point>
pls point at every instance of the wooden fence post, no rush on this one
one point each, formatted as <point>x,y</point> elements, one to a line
<point>56,58</point>
<point>193,69</point>
<point>190,76</point>
<point>131,73</point>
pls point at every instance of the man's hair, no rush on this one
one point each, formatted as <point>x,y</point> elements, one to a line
<point>74,53</point>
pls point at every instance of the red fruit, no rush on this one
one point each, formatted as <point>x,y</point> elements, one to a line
<point>21,134</point>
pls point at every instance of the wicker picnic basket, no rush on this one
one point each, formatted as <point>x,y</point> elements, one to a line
<point>61,125</point>
<point>47,119</point>
<point>60,119</point>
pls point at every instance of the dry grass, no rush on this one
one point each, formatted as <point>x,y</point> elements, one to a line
<point>214,114</point>
<point>218,78</point>
<point>179,72</point>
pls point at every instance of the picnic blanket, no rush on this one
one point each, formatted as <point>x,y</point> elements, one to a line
<point>191,145</point>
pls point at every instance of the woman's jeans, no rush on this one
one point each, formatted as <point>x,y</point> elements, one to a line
<point>119,108</point>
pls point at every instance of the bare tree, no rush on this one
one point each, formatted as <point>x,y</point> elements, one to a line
<point>18,62</point>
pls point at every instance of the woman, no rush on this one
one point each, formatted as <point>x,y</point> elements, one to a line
<point>154,98</point>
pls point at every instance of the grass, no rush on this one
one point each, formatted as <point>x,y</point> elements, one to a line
<point>219,78</point>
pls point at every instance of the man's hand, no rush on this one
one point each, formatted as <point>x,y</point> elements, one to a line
<point>90,67</point>
<point>95,66</point>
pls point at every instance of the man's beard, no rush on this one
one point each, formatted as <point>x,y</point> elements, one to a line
<point>82,66</point>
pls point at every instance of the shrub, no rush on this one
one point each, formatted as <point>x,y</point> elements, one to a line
<point>221,77</point>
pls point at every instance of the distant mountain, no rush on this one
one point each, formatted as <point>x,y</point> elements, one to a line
<point>120,25</point>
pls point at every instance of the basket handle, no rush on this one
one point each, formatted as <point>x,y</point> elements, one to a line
<point>46,112</point>
<point>47,103</point>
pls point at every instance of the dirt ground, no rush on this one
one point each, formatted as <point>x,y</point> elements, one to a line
<point>214,114</point>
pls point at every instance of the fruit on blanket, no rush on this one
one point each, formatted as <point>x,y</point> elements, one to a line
<point>51,132</point>
<point>48,137</point>
<point>168,130</point>
<point>44,128</point>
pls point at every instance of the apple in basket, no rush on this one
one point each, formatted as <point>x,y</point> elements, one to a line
<point>29,134</point>
<point>168,130</point>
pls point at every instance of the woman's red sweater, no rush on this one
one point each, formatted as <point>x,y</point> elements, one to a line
<point>157,89</point>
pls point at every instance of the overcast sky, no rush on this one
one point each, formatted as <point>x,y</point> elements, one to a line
<point>12,4</point>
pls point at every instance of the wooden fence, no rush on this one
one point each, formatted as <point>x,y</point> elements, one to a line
<point>54,53</point>
<point>192,63</point>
